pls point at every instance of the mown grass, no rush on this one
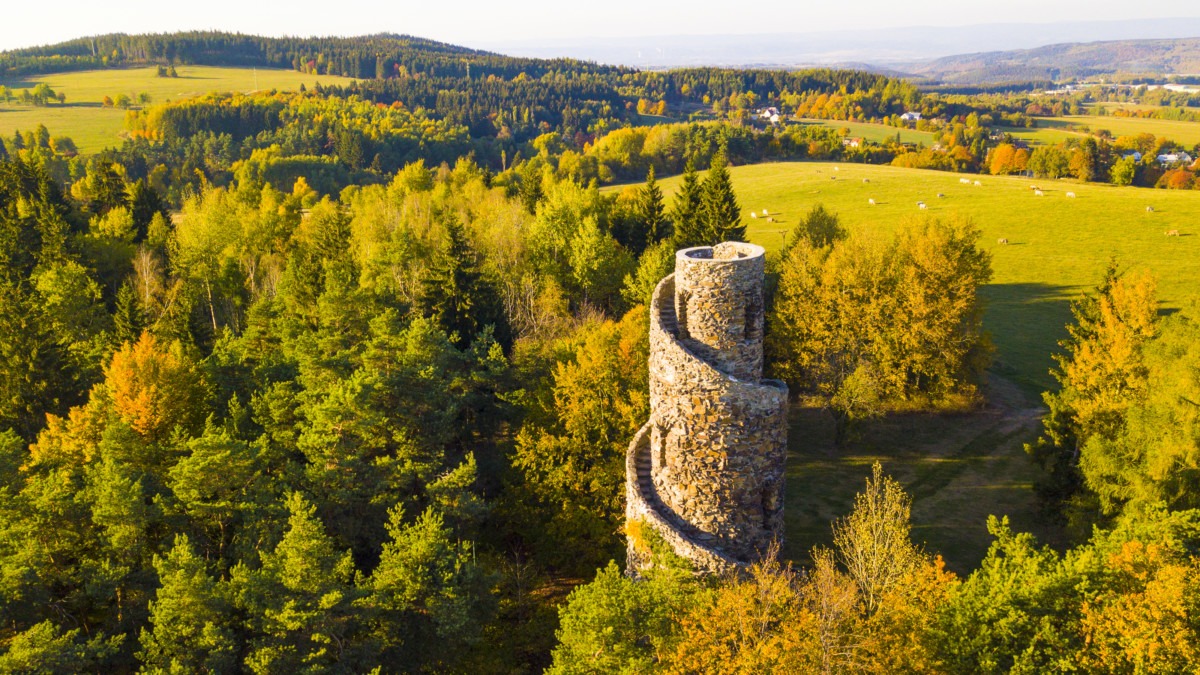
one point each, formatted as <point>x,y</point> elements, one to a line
<point>94,128</point>
<point>1057,129</point>
<point>961,468</point>
<point>876,133</point>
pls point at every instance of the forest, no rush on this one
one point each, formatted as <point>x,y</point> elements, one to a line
<point>339,381</point>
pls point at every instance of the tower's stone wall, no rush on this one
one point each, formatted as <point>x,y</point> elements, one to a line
<point>707,470</point>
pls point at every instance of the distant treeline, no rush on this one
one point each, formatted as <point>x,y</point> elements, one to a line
<point>371,56</point>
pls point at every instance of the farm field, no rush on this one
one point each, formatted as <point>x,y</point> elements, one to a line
<point>962,468</point>
<point>1056,129</point>
<point>94,128</point>
<point>875,132</point>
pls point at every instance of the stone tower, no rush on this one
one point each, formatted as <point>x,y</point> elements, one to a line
<point>706,471</point>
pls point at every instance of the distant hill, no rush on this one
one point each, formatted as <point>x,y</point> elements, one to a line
<point>365,57</point>
<point>844,47</point>
<point>1063,61</point>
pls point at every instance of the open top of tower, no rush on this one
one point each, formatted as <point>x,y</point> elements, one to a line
<point>719,305</point>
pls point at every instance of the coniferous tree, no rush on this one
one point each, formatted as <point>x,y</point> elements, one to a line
<point>720,213</point>
<point>144,202</point>
<point>687,209</point>
<point>651,214</point>
<point>189,617</point>
<point>458,297</point>
<point>128,320</point>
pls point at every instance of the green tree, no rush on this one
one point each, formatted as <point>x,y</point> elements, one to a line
<point>1101,374</point>
<point>719,208</point>
<point>617,625</point>
<point>46,648</point>
<point>190,618</point>
<point>457,295</point>
<point>427,598</point>
<point>819,227</point>
<point>651,213</point>
<point>687,212</point>
<point>1123,171</point>
<point>299,605</point>
<point>1154,455</point>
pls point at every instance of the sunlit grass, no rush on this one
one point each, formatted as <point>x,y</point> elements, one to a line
<point>94,128</point>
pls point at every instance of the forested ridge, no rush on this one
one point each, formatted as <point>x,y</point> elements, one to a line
<point>342,380</point>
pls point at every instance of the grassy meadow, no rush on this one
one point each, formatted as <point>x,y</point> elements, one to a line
<point>94,128</point>
<point>877,133</point>
<point>1057,129</point>
<point>961,468</point>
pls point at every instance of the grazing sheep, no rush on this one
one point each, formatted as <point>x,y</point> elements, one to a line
<point>941,196</point>
<point>833,178</point>
<point>965,181</point>
<point>753,214</point>
<point>770,219</point>
<point>871,202</point>
<point>866,180</point>
<point>978,184</point>
<point>1039,193</point>
<point>921,205</point>
<point>1070,195</point>
<point>1172,233</point>
<point>1034,187</point>
<point>1002,240</point>
<point>1149,209</point>
<point>836,169</point>
<point>765,212</point>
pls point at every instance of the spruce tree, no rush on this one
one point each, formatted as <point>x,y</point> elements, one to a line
<point>144,203</point>
<point>651,213</point>
<point>687,210</point>
<point>458,297</point>
<point>720,213</point>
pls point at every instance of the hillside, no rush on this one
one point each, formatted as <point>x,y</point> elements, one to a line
<point>383,55</point>
<point>1068,60</point>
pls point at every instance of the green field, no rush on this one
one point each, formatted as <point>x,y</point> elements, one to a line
<point>95,128</point>
<point>1057,129</point>
<point>877,133</point>
<point>961,468</point>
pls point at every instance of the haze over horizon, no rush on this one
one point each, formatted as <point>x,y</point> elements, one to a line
<point>551,28</point>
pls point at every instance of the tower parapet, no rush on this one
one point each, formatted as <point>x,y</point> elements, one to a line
<point>706,472</point>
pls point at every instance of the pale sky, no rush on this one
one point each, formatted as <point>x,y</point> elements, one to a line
<point>482,22</point>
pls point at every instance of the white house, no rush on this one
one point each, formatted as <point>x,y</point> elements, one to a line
<point>771,113</point>
<point>1173,158</point>
<point>910,116</point>
<point>1137,156</point>
<point>852,142</point>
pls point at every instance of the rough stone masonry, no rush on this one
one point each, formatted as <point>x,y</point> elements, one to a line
<point>706,472</point>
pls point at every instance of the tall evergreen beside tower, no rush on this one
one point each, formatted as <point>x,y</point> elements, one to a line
<point>687,210</point>
<point>720,213</point>
<point>651,213</point>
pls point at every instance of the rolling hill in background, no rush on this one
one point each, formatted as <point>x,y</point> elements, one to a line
<point>1063,61</point>
<point>884,48</point>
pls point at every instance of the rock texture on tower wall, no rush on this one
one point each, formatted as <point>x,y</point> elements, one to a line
<point>707,470</point>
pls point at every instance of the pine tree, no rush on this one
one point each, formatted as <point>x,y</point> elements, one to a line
<point>188,617</point>
<point>687,210</point>
<point>651,214</point>
<point>301,602</point>
<point>720,213</point>
<point>458,297</point>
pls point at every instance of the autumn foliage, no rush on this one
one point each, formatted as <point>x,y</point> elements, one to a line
<point>155,387</point>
